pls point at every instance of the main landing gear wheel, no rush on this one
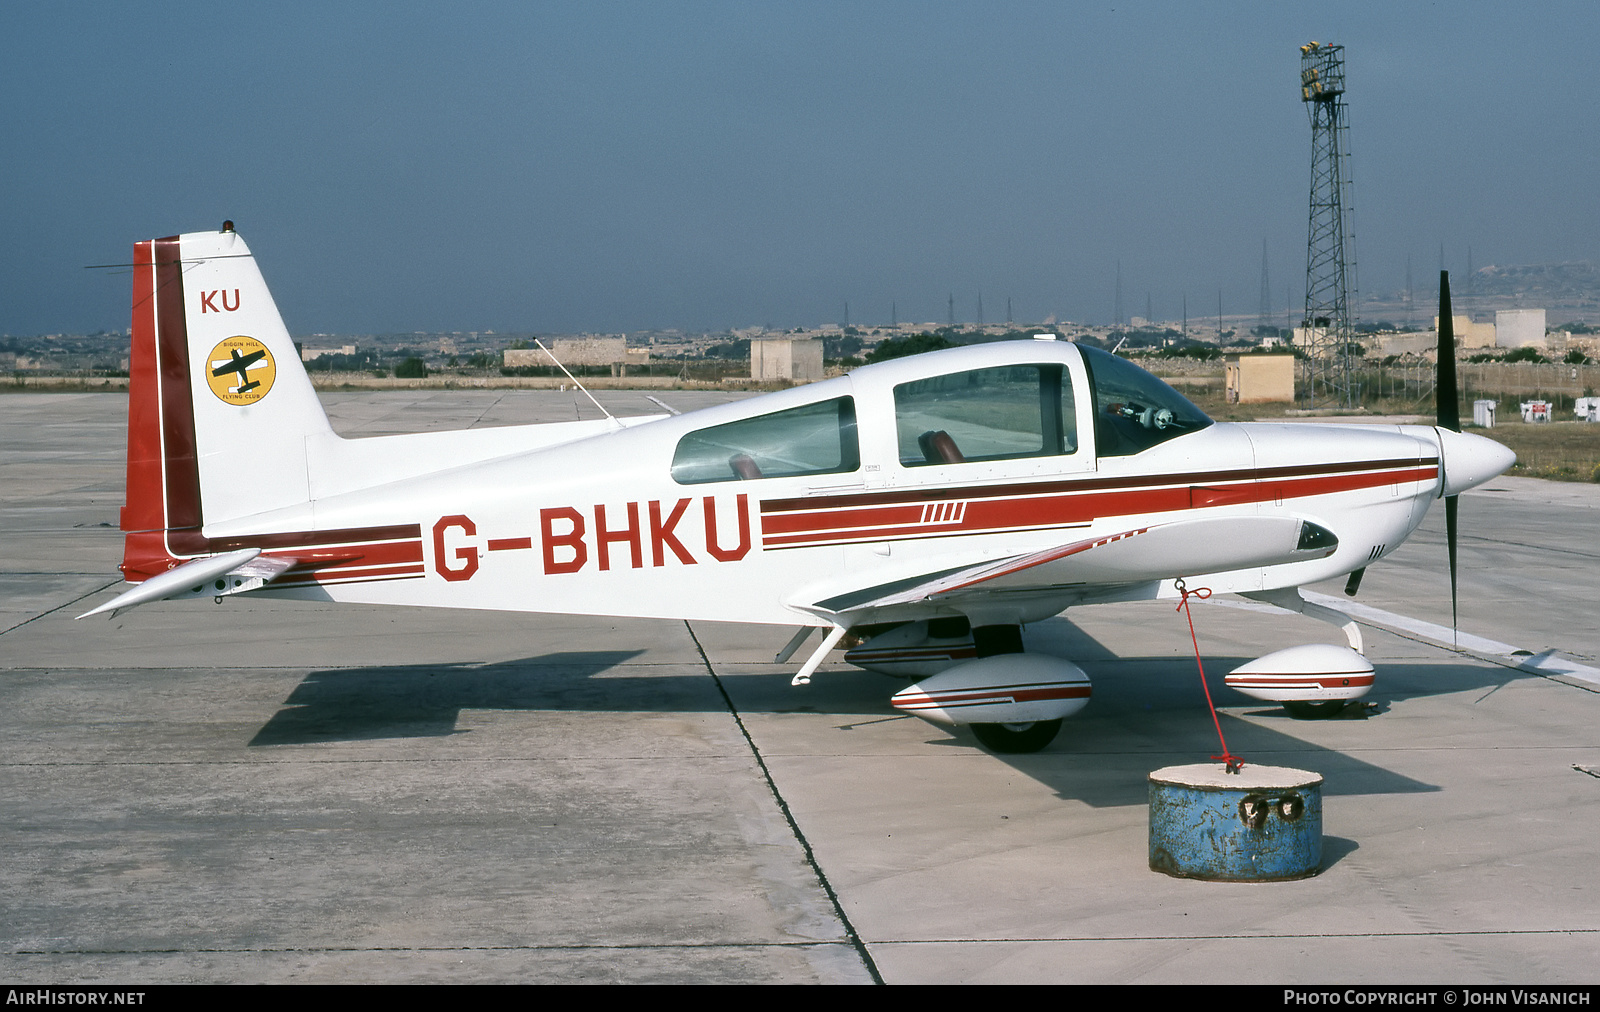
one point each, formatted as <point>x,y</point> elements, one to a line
<point>1012,739</point>
<point>1322,710</point>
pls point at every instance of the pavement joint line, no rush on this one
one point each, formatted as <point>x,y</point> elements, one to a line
<point>691,946</point>
<point>462,666</point>
<point>853,938</point>
<point>528,947</point>
<point>1309,749</point>
<point>65,604</point>
<point>1563,552</point>
<point>371,762</point>
<point>1473,933</point>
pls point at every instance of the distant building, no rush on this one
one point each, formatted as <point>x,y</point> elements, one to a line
<point>312,354</point>
<point>1469,335</point>
<point>782,358</point>
<point>1259,379</point>
<point>576,351</point>
<point>1476,335</point>
<point>1519,328</point>
<point>1305,338</point>
<point>590,350</point>
<point>1417,343</point>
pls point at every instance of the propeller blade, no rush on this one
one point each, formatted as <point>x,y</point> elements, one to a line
<point>1450,540</point>
<point>1448,407</point>
<point>1448,413</point>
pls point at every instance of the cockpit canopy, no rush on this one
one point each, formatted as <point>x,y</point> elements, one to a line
<point>986,414</point>
<point>812,439</point>
<point>996,412</point>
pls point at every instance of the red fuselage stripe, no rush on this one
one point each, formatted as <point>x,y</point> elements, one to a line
<point>356,538</point>
<point>354,576</point>
<point>1088,484</point>
<point>1049,508</point>
<point>358,557</point>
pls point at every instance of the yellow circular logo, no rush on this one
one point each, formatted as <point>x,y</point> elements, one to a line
<point>240,370</point>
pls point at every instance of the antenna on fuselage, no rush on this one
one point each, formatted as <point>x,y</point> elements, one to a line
<point>575,382</point>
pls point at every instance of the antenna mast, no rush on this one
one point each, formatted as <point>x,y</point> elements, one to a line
<point>609,416</point>
<point>1328,330</point>
<point>1264,320</point>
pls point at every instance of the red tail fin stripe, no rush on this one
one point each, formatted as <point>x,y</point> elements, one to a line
<point>181,468</point>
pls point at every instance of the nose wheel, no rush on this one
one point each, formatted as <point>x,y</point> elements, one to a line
<point>1014,739</point>
<point>1320,710</point>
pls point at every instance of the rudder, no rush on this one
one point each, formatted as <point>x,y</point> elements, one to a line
<point>219,408</point>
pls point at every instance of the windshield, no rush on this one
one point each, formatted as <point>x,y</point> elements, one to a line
<point>1133,410</point>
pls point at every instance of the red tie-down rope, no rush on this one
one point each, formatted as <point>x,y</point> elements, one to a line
<point>1232,762</point>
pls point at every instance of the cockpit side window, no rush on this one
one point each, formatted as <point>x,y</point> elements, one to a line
<point>986,414</point>
<point>1133,410</point>
<point>812,439</point>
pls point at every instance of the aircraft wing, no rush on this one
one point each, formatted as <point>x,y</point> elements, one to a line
<point>1141,555</point>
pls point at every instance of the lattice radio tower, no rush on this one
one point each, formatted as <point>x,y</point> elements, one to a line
<point>1330,241</point>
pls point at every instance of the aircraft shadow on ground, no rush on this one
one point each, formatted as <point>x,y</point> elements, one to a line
<point>425,700</point>
<point>1146,713</point>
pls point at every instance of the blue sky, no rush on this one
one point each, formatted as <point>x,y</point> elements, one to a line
<point>622,166</point>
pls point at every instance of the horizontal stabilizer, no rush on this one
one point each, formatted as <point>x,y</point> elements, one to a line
<point>190,578</point>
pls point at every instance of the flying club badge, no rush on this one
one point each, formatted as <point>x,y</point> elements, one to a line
<point>240,370</point>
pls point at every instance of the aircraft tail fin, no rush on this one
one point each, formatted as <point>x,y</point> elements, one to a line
<point>219,408</point>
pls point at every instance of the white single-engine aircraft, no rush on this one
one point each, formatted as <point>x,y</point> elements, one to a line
<point>933,504</point>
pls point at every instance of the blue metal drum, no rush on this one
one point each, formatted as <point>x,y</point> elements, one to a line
<point>1262,824</point>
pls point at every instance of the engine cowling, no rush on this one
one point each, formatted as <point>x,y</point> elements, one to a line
<point>1004,689</point>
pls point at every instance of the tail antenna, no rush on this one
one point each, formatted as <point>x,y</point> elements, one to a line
<point>575,382</point>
